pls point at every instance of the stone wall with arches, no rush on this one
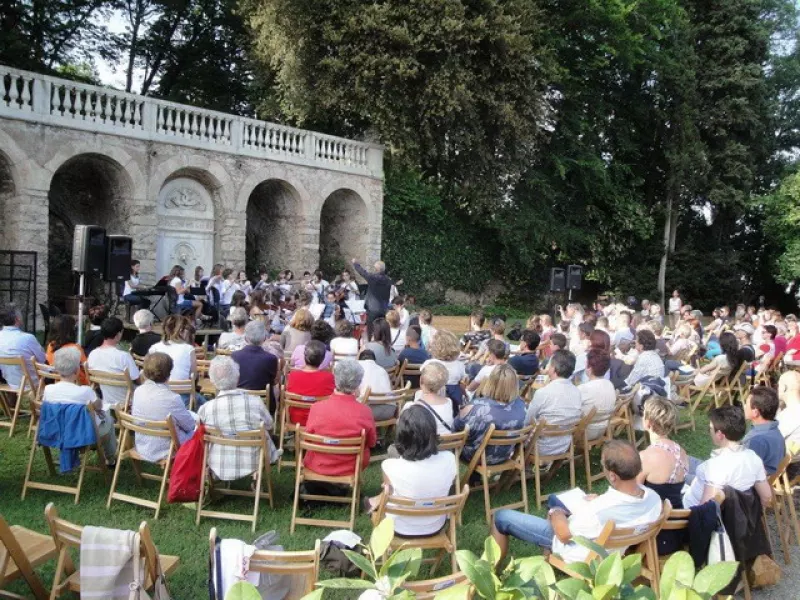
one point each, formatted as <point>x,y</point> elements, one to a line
<point>179,204</point>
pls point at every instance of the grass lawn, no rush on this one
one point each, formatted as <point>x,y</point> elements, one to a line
<point>176,533</point>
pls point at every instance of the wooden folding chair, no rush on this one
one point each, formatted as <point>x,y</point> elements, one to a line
<point>428,589</point>
<point>67,538</point>
<point>286,427</point>
<point>257,439</point>
<point>409,371</point>
<point>454,442</point>
<point>302,566</point>
<point>679,382</point>
<point>779,508</point>
<point>22,551</point>
<point>75,490</point>
<point>695,395</point>
<point>514,439</point>
<point>106,379</point>
<point>536,459</point>
<point>594,418</point>
<point>445,539</point>
<point>395,399</point>
<point>641,539</point>
<point>46,375</point>
<point>337,356</point>
<point>731,385</point>
<point>306,442</point>
<point>130,427</point>
<point>622,419</point>
<point>769,375</point>
<point>184,387</point>
<point>25,389</point>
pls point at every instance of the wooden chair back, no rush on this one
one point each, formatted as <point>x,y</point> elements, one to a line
<point>24,388</point>
<point>297,401</point>
<point>120,380</point>
<point>395,398</point>
<point>410,370</point>
<point>428,589</point>
<point>184,387</point>
<point>446,506</point>
<point>21,551</point>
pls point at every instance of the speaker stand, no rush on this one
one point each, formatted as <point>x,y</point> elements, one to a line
<point>81,290</point>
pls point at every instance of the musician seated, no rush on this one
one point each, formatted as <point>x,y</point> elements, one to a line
<point>143,319</point>
<point>183,303</point>
<point>129,295</point>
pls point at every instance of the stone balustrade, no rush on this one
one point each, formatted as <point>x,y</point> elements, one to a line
<point>59,102</point>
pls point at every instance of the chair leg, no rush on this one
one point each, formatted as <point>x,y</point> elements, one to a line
<point>792,511</point>
<point>15,415</point>
<point>115,478</point>
<point>202,495</point>
<point>298,479</point>
<point>84,460</point>
<point>486,502</point>
<point>164,482</point>
<point>587,464</point>
<point>572,466</point>
<point>537,484</point>
<point>30,465</point>
<point>259,476</point>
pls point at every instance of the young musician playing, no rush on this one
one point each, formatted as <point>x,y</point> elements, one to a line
<point>176,280</point>
<point>133,284</point>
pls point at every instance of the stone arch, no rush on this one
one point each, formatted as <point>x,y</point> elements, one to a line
<point>8,189</point>
<point>85,188</point>
<point>275,227</point>
<point>210,173</point>
<point>344,229</point>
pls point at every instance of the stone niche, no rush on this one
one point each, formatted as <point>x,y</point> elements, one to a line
<point>185,227</point>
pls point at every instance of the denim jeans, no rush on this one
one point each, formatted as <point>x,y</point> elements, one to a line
<point>528,528</point>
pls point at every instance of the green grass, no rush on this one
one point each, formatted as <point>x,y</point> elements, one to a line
<point>176,533</point>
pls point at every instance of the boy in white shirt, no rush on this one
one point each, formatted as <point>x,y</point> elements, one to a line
<point>109,358</point>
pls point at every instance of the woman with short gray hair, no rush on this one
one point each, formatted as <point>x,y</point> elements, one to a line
<point>348,375</point>
<point>233,411</point>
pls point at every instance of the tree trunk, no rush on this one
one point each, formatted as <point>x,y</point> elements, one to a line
<point>669,240</point>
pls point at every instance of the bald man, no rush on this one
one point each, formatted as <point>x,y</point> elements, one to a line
<point>789,417</point>
<point>626,503</point>
<point>378,291</point>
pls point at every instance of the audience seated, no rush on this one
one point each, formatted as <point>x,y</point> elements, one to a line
<point>298,331</point>
<point>498,403</point>
<point>15,342</point>
<point>177,342</point>
<point>764,437</point>
<point>527,361</point>
<point>648,363</point>
<point>497,354</point>
<point>413,352</point>
<point>731,464</point>
<point>234,340</point>
<point>598,392</point>
<point>432,381</point>
<point>409,475</point>
<point>92,337</point>
<point>623,331</point>
<point>310,380</point>
<point>344,342</point>
<point>381,344</point>
<point>67,363</point>
<point>257,367</point>
<point>233,410</point>
<point>397,333</point>
<point>626,503</point>
<point>140,345</point>
<point>428,330</point>
<point>340,416</point>
<point>477,334</point>
<point>154,401</point>
<point>558,403</point>
<point>665,464</point>
<point>444,349</point>
<point>63,335</point>
<point>376,379</point>
<point>321,331</point>
<point>728,362</point>
<point>110,359</point>
<point>789,417</point>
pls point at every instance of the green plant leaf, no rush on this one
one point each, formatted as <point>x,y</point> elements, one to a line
<point>381,537</point>
<point>604,592</point>
<point>405,560</point>
<point>610,571</point>
<point>582,569</point>
<point>528,567</point>
<point>642,592</point>
<point>584,595</point>
<point>632,567</point>
<point>543,576</point>
<point>347,584</point>
<point>679,567</point>
<point>456,592</point>
<point>591,545</point>
<point>479,572</point>
<point>491,551</point>
<point>570,587</point>
<point>243,590</point>
<point>315,595</point>
<point>361,561</point>
<point>715,577</point>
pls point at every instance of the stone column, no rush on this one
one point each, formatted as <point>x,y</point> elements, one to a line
<point>143,229</point>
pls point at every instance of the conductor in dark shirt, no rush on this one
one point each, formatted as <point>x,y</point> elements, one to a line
<point>379,287</point>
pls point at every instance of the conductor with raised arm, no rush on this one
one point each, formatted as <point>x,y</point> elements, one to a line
<point>379,288</point>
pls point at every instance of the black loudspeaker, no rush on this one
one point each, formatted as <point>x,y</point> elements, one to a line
<point>89,250</point>
<point>557,280</point>
<point>118,257</point>
<point>574,277</point>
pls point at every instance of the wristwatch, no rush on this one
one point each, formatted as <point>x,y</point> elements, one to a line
<point>555,510</point>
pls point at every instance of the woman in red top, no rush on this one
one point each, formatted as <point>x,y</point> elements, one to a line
<point>62,335</point>
<point>309,381</point>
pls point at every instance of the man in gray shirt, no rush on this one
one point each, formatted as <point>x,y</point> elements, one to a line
<point>557,403</point>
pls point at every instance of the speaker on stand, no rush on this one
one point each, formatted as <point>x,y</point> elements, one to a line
<point>119,249</point>
<point>88,257</point>
<point>574,278</point>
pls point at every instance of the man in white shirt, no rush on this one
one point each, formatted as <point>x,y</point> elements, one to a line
<point>789,417</point>
<point>626,503</point>
<point>109,358</point>
<point>731,464</point>
<point>15,342</point>
<point>376,378</point>
<point>496,352</point>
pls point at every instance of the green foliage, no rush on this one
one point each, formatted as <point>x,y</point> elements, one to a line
<point>384,582</point>
<point>243,590</point>
<point>784,222</point>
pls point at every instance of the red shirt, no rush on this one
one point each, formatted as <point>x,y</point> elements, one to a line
<point>339,416</point>
<point>308,383</point>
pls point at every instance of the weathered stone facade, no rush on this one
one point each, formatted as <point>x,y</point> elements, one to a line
<point>181,193</point>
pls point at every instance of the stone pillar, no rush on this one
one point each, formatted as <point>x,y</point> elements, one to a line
<point>143,227</point>
<point>231,229</point>
<point>308,241</point>
<point>27,229</point>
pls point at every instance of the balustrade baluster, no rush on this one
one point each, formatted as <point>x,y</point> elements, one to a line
<point>159,118</point>
<point>26,95</point>
<point>13,93</point>
<point>115,112</point>
<point>171,121</point>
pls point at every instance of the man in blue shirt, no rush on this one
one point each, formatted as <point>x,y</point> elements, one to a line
<point>413,353</point>
<point>526,362</point>
<point>15,342</point>
<point>764,437</point>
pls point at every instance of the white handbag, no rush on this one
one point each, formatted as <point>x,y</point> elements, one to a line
<point>721,548</point>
